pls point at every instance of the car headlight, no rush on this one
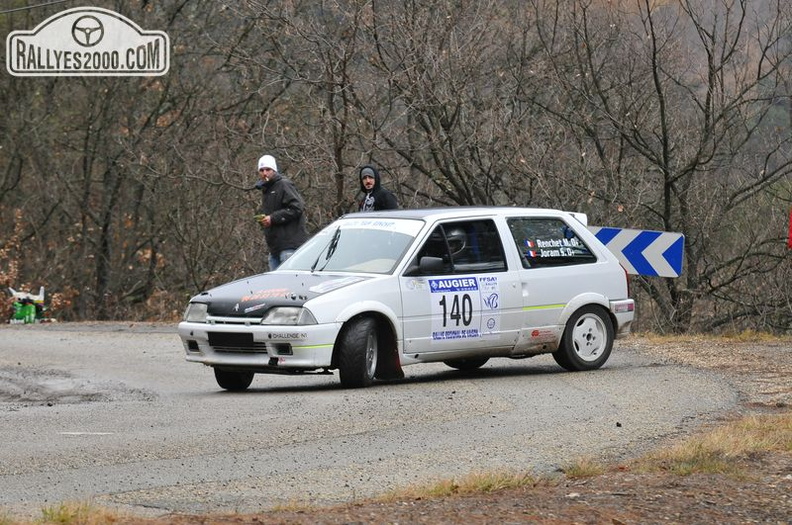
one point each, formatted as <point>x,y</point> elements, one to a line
<point>288,315</point>
<point>196,312</point>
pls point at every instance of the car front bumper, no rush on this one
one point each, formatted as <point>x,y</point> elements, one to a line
<point>261,348</point>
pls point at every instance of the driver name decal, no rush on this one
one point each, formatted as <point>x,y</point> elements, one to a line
<point>552,247</point>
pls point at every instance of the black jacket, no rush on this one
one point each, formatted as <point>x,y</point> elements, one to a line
<point>283,203</point>
<point>382,198</point>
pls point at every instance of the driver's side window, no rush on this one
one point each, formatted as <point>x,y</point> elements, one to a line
<point>460,248</point>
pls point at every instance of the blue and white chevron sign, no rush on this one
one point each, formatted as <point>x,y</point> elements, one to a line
<point>644,252</point>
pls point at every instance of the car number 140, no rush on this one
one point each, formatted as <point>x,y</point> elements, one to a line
<point>464,308</point>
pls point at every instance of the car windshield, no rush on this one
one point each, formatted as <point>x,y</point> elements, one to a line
<point>356,245</point>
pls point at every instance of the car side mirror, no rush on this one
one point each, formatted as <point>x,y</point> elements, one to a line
<point>431,265</point>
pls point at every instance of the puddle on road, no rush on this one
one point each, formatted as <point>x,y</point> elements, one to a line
<point>33,386</point>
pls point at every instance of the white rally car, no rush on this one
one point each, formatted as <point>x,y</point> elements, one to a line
<point>374,292</point>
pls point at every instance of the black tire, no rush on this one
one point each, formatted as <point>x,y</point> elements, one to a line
<point>467,363</point>
<point>358,353</point>
<point>587,341</point>
<point>233,380</point>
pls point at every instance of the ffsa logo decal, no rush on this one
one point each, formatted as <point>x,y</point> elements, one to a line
<point>87,41</point>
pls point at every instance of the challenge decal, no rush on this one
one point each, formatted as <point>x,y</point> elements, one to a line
<point>464,307</point>
<point>287,335</point>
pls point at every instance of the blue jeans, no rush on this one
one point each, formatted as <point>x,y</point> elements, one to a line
<point>276,259</point>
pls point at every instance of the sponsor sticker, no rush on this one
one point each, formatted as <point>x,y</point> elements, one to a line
<point>464,307</point>
<point>250,309</point>
<point>335,284</point>
<point>457,284</point>
<point>406,226</point>
<point>87,41</point>
<point>542,335</point>
<point>265,294</point>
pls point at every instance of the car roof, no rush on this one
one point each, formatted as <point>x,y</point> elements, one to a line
<point>464,212</point>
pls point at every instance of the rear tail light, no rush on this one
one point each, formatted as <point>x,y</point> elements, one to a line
<point>624,307</point>
<point>627,279</point>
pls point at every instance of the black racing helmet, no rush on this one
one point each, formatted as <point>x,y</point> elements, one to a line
<point>457,240</point>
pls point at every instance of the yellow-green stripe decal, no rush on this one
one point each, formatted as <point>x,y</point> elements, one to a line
<point>543,307</point>
<point>312,346</point>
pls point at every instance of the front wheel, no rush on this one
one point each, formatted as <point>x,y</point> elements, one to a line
<point>587,340</point>
<point>358,353</point>
<point>233,380</point>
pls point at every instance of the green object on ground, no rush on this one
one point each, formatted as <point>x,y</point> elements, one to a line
<point>19,314</point>
<point>29,313</point>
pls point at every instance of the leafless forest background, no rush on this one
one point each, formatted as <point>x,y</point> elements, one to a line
<point>125,196</point>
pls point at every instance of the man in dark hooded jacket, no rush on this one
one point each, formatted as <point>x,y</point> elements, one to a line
<point>375,195</point>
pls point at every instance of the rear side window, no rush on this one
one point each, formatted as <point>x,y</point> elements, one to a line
<point>546,242</point>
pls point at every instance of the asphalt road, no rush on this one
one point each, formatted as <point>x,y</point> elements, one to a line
<point>112,414</point>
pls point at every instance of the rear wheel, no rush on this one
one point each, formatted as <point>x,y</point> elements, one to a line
<point>358,353</point>
<point>233,380</point>
<point>587,340</point>
<point>469,363</point>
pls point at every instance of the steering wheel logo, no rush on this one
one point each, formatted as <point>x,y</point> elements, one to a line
<point>87,31</point>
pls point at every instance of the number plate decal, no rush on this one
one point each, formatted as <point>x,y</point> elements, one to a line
<point>464,307</point>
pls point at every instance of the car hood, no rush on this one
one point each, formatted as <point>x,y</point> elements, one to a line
<point>252,296</point>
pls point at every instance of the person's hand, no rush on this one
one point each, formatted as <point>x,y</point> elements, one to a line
<point>259,184</point>
<point>266,221</point>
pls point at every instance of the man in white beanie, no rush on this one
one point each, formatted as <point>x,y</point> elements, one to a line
<point>282,212</point>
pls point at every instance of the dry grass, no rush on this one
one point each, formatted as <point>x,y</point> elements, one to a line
<point>77,514</point>
<point>483,482</point>
<point>583,468</point>
<point>746,336</point>
<point>719,450</point>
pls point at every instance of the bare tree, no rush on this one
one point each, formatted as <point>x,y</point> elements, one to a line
<point>446,110</point>
<point>128,195</point>
<point>671,102</point>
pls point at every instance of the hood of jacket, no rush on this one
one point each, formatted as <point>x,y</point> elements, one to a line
<point>376,178</point>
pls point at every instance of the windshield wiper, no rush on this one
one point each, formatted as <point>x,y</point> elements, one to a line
<point>331,248</point>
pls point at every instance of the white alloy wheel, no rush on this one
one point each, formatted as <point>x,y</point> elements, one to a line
<point>589,337</point>
<point>587,341</point>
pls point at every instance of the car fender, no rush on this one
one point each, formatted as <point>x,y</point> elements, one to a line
<point>578,302</point>
<point>362,307</point>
